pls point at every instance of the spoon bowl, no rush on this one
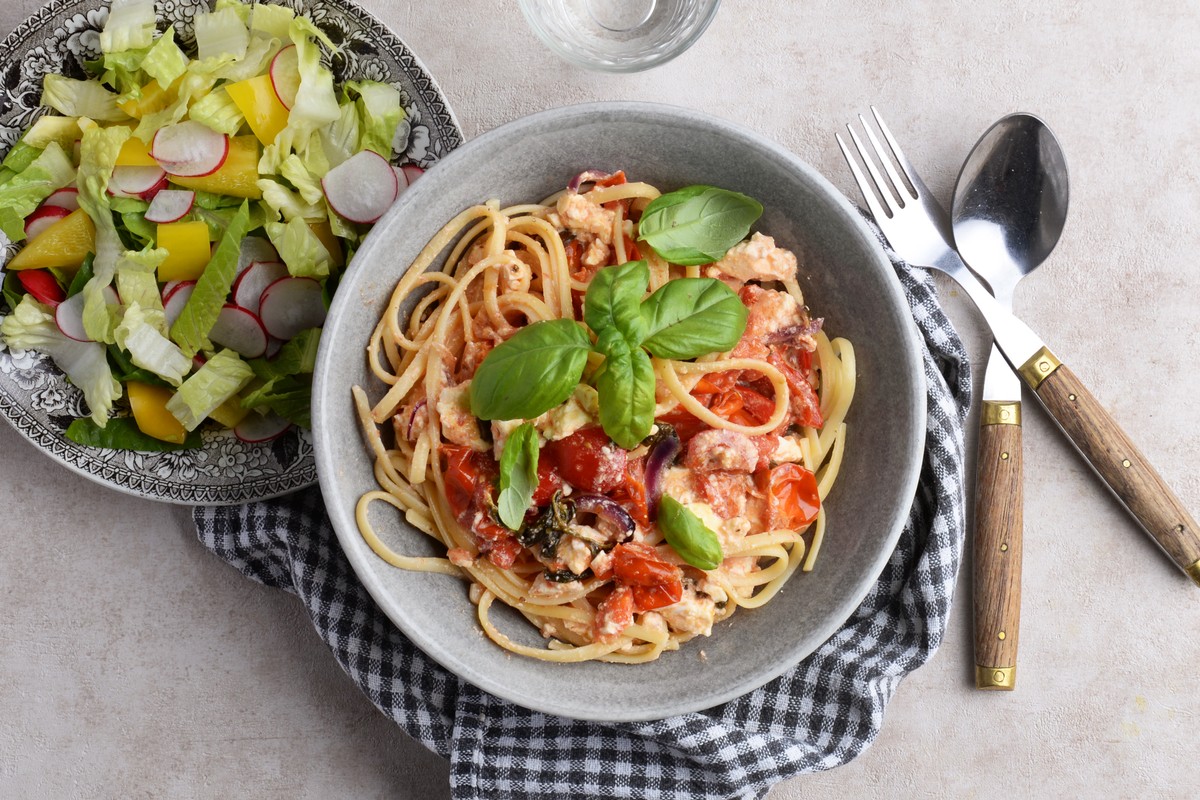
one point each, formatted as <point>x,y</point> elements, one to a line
<point>1010,201</point>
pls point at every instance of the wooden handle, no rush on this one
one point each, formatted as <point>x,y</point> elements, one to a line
<point>1122,466</point>
<point>998,523</point>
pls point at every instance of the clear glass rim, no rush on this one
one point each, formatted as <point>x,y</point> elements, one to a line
<point>529,12</point>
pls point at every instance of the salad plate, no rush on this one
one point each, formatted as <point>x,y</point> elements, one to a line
<point>35,395</point>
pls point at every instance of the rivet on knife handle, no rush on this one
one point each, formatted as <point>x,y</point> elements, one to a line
<point>1116,460</point>
<point>997,556</point>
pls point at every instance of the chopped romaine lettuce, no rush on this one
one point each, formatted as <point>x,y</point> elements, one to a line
<point>165,62</point>
<point>49,171</point>
<point>221,377</point>
<point>130,26</point>
<point>218,111</point>
<point>379,112</point>
<point>31,327</point>
<point>122,433</point>
<point>299,248</point>
<point>140,334</point>
<point>220,33</point>
<point>200,312</point>
<point>74,98</point>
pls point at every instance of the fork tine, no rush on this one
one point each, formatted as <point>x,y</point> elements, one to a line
<point>864,183</point>
<point>888,193</point>
<point>909,173</point>
<point>898,185</point>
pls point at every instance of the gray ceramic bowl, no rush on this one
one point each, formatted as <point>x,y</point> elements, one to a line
<point>846,279</point>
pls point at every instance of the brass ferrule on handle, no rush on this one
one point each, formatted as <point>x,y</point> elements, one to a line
<point>1003,679</point>
<point>1194,572</point>
<point>996,412</point>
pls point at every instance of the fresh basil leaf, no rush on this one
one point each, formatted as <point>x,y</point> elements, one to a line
<point>613,300</point>
<point>518,475</point>
<point>692,317</point>
<point>625,383</point>
<point>122,433</point>
<point>688,536</point>
<point>697,224</point>
<point>531,373</point>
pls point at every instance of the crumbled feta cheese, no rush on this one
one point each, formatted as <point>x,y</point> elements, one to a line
<point>758,259</point>
<point>694,613</point>
<point>580,215</point>
<point>458,423</point>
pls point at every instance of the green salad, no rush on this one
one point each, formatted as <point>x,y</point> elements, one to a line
<point>183,219</point>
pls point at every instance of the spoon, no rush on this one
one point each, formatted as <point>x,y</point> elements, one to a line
<point>1010,206</point>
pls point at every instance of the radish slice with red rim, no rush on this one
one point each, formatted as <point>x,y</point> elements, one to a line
<point>140,182</point>
<point>170,205</point>
<point>41,219</point>
<point>285,75</point>
<point>167,288</point>
<point>68,316</point>
<point>273,346</point>
<point>254,280</point>
<point>42,285</point>
<point>173,305</point>
<point>67,198</point>
<point>240,331</point>
<point>290,305</point>
<point>255,427</point>
<point>362,187</point>
<point>412,172</point>
<point>189,149</point>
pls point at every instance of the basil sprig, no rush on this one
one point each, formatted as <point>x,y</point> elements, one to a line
<point>697,224</point>
<point>688,536</point>
<point>531,373</point>
<point>518,475</point>
<point>539,367</point>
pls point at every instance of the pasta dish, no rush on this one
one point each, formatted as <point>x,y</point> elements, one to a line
<point>613,409</point>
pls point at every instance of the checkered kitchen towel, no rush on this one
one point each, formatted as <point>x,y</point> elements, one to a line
<point>819,715</point>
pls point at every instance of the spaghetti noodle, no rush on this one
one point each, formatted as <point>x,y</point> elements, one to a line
<point>762,427</point>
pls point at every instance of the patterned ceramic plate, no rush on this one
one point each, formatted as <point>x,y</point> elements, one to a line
<point>36,397</point>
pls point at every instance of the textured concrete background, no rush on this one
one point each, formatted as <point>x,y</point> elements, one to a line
<point>134,664</point>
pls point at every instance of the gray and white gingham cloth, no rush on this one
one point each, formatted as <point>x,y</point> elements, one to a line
<point>817,716</point>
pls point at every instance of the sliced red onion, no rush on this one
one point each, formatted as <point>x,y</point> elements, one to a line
<point>662,455</point>
<point>607,509</point>
<point>412,418</point>
<point>587,176</point>
<point>790,332</point>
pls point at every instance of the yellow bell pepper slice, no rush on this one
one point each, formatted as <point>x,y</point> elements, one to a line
<point>229,413</point>
<point>188,250</point>
<point>149,405</point>
<point>237,177</point>
<point>154,98</point>
<point>324,234</point>
<point>135,153</point>
<point>64,244</point>
<point>264,111</point>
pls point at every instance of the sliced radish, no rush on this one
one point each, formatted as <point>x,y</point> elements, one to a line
<point>401,179</point>
<point>189,149</point>
<point>362,187</point>
<point>254,280</point>
<point>173,305</point>
<point>240,331</point>
<point>273,346</point>
<point>43,218</point>
<point>42,285</point>
<point>290,305</point>
<point>68,316</point>
<point>255,427</point>
<point>140,182</point>
<point>199,360</point>
<point>285,75</point>
<point>169,287</point>
<point>67,198</point>
<point>412,172</point>
<point>170,205</point>
<point>110,295</point>
<point>255,248</point>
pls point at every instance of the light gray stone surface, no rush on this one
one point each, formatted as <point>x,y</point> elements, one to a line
<point>134,664</point>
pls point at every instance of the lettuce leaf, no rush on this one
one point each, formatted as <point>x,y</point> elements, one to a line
<point>140,334</point>
<point>137,282</point>
<point>316,103</point>
<point>122,433</point>
<point>193,84</point>
<point>290,397</point>
<point>200,312</point>
<point>220,33</point>
<point>21,194</point>
<point>31,327</point>
<point>380,113</point>
<point>283,201</point>
<point>340,138</point>
<point>307,184</point>
<point>221,377</point>
<point>165,62</point>
<point>273,20</point>
<point>218,111</point>
<point>298,356</point>
<point>48,128</point>
<point>130,26</point>
<point>73,98</point>
<point>299,248</point>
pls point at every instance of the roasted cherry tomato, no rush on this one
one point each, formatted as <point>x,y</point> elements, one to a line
<point>631,494</point>
<point>805,404</point>
<point>792,498</point>
<point>470,483</point>
<point>655,582</point>
<point>588,460</point>
<point>613,615</point>
<point>549,482</point>
<point>459,476</point>
<point>685,423</point>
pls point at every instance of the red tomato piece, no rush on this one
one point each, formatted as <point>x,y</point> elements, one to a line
<point>792,497</point>
<point>616,179</point>
<point>613,615</point>
<point>631,494</point>
<point>805,404</point>
<point>588,460</point>
<point>717,382</point>
<point>504,552</point>
<point>637,564</point>
<point>685,423</point>
<point>549,482</point>
<point>648,598</point>
<point>458,475</point>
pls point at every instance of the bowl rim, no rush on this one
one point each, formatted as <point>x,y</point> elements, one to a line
<point>360,556</point>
